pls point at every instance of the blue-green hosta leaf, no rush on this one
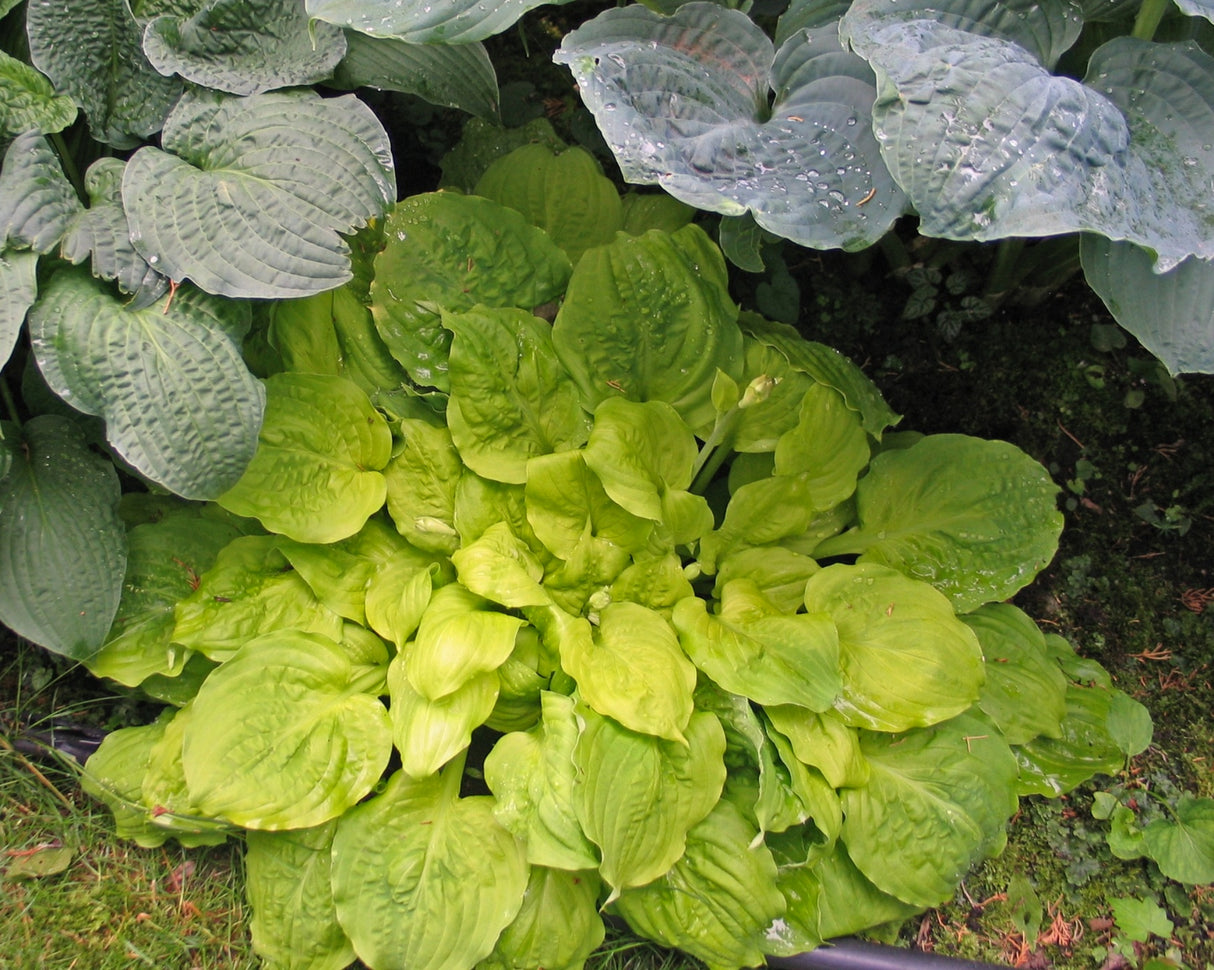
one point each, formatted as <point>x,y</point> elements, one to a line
<point>936,803</point>
<point>1025,691</point>
<point>750,648</point>
<point>247,196</point>
<point>241,48</point>
<point>637,795</point>
<point>28,101</point>
<point>425,879</point>
<point>451,75</point>
<point>316,474</point>
<point>718,901</point>
<point>178,402</point>
<point>250,590</point>
<point>447,251</point>
<point>975,518</point>
<point>62,546</point>
<point>102,232</point>
<point>554,898</point>
<point>907,660</point>
<point>93,51</point>
<point>423,21</point>
<point>429,733</point>
<point>511,400</point>
<point>37,202</point>
<point>532,776</point>
<point>683,101</point>
<point>1183,846</point>
<point>283,736</point>
<point>564,192</point>
<point>18,290</point>
<point>1197,8</point>
<point>1171,314</point>
<point>165,563</point>
<point>988,144</point>
<point>294,922</point>
<point>649,317</point>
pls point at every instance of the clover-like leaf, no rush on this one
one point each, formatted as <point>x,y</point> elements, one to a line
<point>423,21</point>
<point>316,474</point>
<point>684,101</point>
<point>178,402</point>
<point>247,196</point>
<point>241,48</point>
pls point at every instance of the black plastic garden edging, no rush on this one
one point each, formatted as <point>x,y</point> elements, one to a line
<point>850,954</point>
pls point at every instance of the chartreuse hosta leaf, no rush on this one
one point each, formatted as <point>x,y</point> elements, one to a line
<point>178,402</point>
<point>846,902</point>
<point>936,803</point>
<point>294,921</point>
<point>532,776</point>
<point>500,567</point>
<point>637,795</point>
<point>250,589</point>
<point>164,792</point>
<point>282,735</point>
<point>975,518</point>
<point>511,399</point>
<point>18,289</point>
<point>554,898</point>
<point>37,202</point>
<point>564,192</point>
<point>247,196</point>
<point>1171,314</point>
<point>316,475</point>
<point>93,51</point>
<point>115,775</point>
<point>28,101</point>
<point>718,901</point>
<point>649,318</point>
<point>165,563</point>
<point>685,102</point>
<point>423,21</point>
<point>1025,691</point>
<point>822,741</point>
<point>447,251</point>
<point>421,478</point>
<point>233,46</point>
<point>750,648</point>
<point>453,75</point>
<point>101,232</point>
<point>971,123</point>
<point>423,878</point>
<point>62,546</point>
<point>907,660</point>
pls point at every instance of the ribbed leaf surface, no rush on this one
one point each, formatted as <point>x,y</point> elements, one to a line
<point>37,203</point>
<point>424,21</point>
<point>28,101</point>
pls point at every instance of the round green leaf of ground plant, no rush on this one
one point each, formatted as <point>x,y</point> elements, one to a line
<point>423,21</point>
<point>718,901</point>
<point>447,251</point>
<point>93,51</point>
<point>451,75</point>
<point>565,193</point>
<point>18,289</point>
<point>649,318</point>
<point>1183,846</point>
<point>425,879</point>
<point>294,922</point>
<point>62,545</point>
<point>28,101</point>
<point>37,202</point>
<point>975,518</point>
<point>554,898</point>
<point>281,736</point>
<point>178,402</point>
<point>316,474</point>
<point>685,102</point>
<point>242,48</point>
<point>907,660</point>
<point>1171,314</point>
<point>247,196</point>
<point>102,232</point>
<point>750,648</point>
<point>639,795</point>
<point>936,803</point>
<point>511,399</point>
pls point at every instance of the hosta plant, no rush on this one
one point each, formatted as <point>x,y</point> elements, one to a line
<point>987,120</point>
<point>559,587</point>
